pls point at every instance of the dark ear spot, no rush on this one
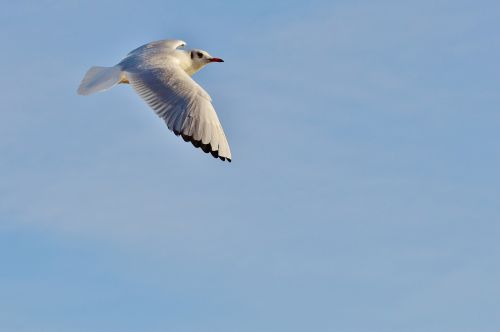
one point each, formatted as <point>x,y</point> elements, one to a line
<point>192,55</point>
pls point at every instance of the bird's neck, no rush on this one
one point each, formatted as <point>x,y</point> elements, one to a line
<point>187,64</point>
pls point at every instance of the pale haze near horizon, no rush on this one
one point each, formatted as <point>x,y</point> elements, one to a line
<point>363,193</point>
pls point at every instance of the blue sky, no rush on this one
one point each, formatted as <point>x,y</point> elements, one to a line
<point>364,193</point>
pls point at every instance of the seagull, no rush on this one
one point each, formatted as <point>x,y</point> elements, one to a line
<point>160,72</point>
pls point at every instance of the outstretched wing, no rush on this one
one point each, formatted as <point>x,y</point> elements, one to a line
<point>184,106</point>
<point>166,43</point>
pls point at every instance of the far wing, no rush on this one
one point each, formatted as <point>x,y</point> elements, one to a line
<point>184,106</point>
<point>166,43</point>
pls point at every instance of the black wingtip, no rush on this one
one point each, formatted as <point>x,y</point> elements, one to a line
<point>207,148</point>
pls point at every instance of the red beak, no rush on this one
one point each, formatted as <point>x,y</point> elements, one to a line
<point>216,60</point>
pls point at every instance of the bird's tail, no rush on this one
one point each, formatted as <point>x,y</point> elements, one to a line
<point>99,79</point>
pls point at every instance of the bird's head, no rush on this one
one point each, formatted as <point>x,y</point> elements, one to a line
<point>200,58</point>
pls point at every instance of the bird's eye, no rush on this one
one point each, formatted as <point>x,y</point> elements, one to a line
<point>200,55</point>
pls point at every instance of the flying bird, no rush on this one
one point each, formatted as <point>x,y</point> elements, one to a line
<point>160,72</point>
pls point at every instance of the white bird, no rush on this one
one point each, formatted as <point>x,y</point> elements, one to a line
<point>161,74</point>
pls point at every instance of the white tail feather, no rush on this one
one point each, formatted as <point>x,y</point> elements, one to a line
<point>99,79</point>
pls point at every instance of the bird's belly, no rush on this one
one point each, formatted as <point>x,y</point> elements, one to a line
<point>124,79</point>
